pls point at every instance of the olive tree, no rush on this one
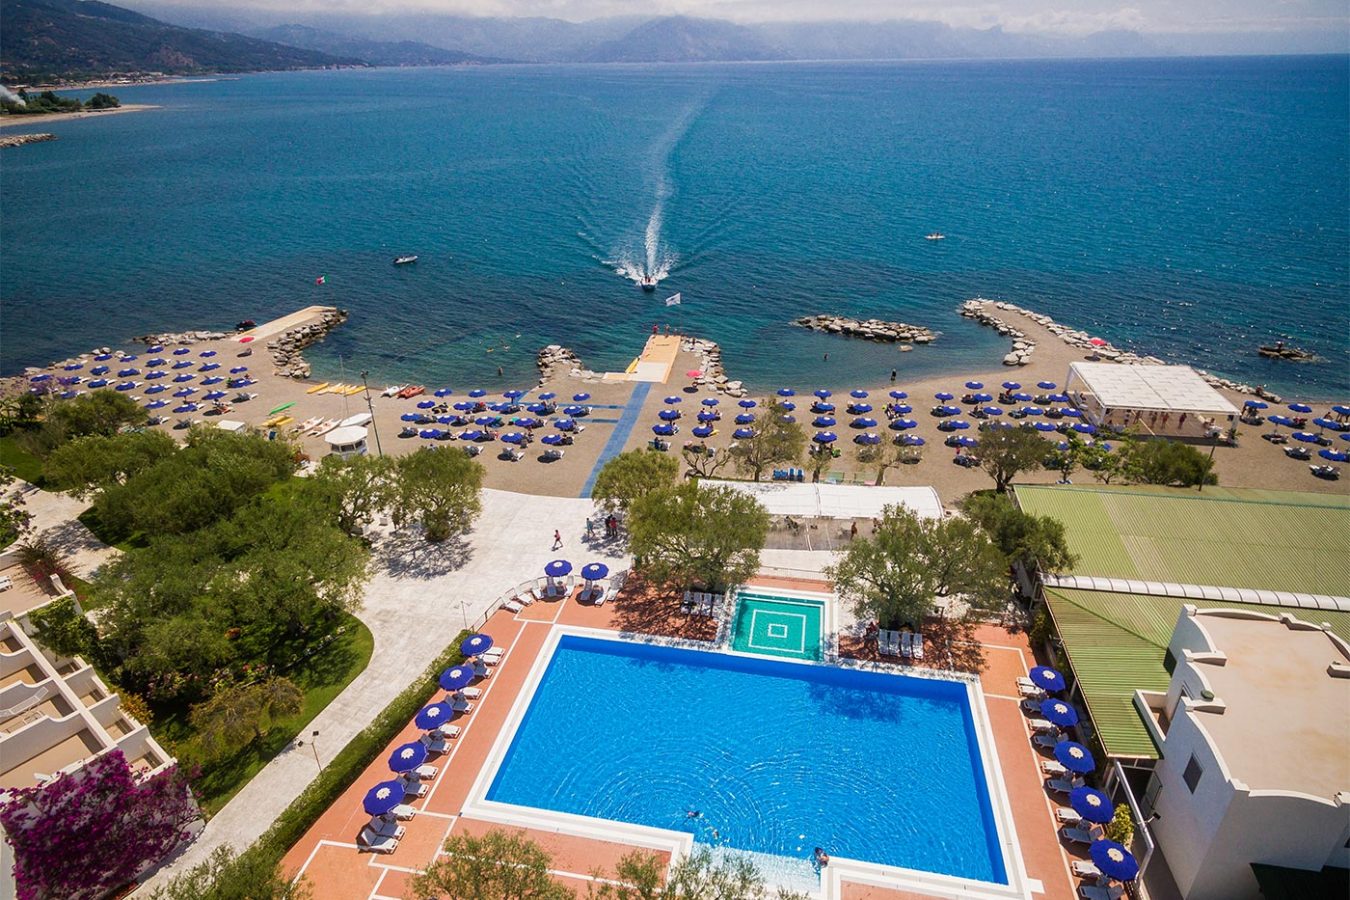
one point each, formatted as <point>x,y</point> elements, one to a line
<point>497,865</point>
<point>775,441</point>
<point>1024,539</point>
<point>697,534</point>
<point>1006,452</point>
<point>631,475</point>
<point>440,489</point>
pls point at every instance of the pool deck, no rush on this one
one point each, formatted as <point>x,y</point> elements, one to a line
<point>328,856</point>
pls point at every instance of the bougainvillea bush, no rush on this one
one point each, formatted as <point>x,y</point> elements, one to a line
<point>88,832</point>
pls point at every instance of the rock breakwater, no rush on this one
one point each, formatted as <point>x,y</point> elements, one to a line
<point>555,358</point>
<point>287,348</point>
<point>714,376</point>
<point>868,329</point>
<point>18,140</point>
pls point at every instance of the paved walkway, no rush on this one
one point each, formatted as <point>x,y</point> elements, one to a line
<point>416,603</point>
<point>619,437</point>
<point>55,519</point>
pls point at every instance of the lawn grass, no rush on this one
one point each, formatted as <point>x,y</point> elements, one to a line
<point>322,677</point>
<point>24,464</point>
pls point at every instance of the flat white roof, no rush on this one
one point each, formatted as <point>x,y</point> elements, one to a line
<point>837,501</point>
<point>351,434</point>
<point>1173,388</point>
<point>229,425</point>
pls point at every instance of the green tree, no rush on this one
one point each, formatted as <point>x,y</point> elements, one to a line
<point>102,101</point>
<point>353,490</point>
<point>497,865</point>
<point>698,876</point>
<point>236,715</point>
<point>776,441</point>
<point>61,627</point>
<point>1067,460</point>
<point>895,574</point>
<point>14,516</point>
<point>1029,540</point>
<point>225,876</point>
<point>1161,461</point>
<point>101,412</point>
<point>441,490</point>
<point>697,534</point>
<point>882,456</point>
<point>1121,827</point>
<point>820,459</point>
<point>96,462</point>
<point>1006,452</point>
<point>703,461</point>
<point>631,475</point>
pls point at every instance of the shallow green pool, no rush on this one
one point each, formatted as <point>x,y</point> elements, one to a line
<point>777,626</point>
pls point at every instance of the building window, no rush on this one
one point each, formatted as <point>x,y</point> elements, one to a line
<point>1192,774</point>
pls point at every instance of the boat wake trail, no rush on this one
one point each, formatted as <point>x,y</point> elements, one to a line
<point>654,260</point>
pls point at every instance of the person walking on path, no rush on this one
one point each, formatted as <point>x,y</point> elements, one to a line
<point>557,539</point>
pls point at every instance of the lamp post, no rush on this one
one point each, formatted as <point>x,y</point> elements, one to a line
<point>313,746</point>
<point>371,407</point>
<point>464,610</point>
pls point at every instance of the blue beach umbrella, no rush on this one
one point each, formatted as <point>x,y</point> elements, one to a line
<point>513,437</point>
<point>860,408</point>
<point>1075,757</point>
<point>594,571</point>
<point>74,367</point>
<point>1084,428</point>
<point>1333,455</point>
<point>822,393</point>
<point>786,392</point>
<point>911,440</point>
<point>944,396</point>
<point>529,423</point>
<point>455,677</point>
<point>823,422</point>
<point>663,430</point>
<point>547,395</point>
<point>182,364</point>
<point>949,410</point>
<point>127,373</point>
<point>743,434</point>
<point>156,404</point>
<point>439,392</point>
<point>956,424</point>
<point>1300,408</point>
<point>209,367</point>
<point>558,568</point>
<point>210,381</point>
<point>1011,385</point>
<point>565,424</point>
<point>97,383</point>
<point>1278,419</point>
<point>1043,426</point>
<point>901,424</point>
<point>1255,404</point>
<point>180,379</point>
<point>426,404</point>
<point>1071,413</point>
<point>186,408</point>
<point>1345,437</point>
<point>868,439</point>
<point>96,370</point>
<point>1061,445</point>
<point>125,386</point>
<point>974,385</point>
<point>789,405</point>
<point>825,437</point>
<point>962,440</point>
<point>857,394</point>
<point>1092,804</point>
<point>1046,385</point>
<point>487,421</point>
<point>745,419</point>
<point>981,398</point>
<point>1058,398</point>
<point>433,716</point>
<point>213,395</point>
<point>706,416</point>
<point>156,362</point>
<point>822,407</point>
<point>477,392</point>
<point>711,401</point>
<point>575,410</point>
<point>155,374</point>
<point>180,351</point>
<point>1114,860</point>
<point>788,420</point>
<point>863,422</point>
<point>991,411</point>
<point>158,348</point>
<point>555,440</point>
<point>153,389</point>
<point>472,435</point>
<point>207,353</point>
<point>668,415</point>
<point>463,406</point>
<point>408,757</point>
<point>539,409</point>
<point>1058,712</point>
<point>1306,437</point>
<point>1047,679</point>
<point>1021,397</point>
<point>899,395</point>
<point>103,356</point>
<point>430,434</point>
<point>703,431</point>
<point>673,400</point>
<point>383,797</point>
<point>747,404</point>
<point>1033,411</point>
<point>902,409</point>
<point>513,394</point>
<point>581,397</point>
<point>410,417</point>
<point>185,392</point>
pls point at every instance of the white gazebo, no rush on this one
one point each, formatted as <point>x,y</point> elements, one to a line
<point>1170,400</point>
<point>347,441</point>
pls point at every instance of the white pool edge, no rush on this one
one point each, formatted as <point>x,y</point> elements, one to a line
<point>679,844</point>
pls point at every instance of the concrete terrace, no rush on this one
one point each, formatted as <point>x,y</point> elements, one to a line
<point>328,854</point>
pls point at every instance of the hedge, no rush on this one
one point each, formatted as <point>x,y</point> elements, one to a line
<point>348,765</point>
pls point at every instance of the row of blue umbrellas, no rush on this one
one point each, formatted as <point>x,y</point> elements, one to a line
<point>590,572</point>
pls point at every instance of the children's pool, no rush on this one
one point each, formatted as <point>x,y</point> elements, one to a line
<point>777,626</point>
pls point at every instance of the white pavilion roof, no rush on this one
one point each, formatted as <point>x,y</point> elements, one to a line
<point>1173,388</point>
<point>837,501</point>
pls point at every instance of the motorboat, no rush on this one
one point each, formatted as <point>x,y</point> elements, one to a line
<point>404,260</point>
<point>935,236</point>
<point>647,282</point>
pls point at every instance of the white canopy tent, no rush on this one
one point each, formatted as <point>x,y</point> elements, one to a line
<point>837,501</point>
<point>1107,392</point>
<point>347,441</point>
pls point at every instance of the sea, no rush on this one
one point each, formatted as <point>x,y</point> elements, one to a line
<point>1188,208</point>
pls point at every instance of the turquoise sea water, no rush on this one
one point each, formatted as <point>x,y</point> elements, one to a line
<point>776,758</point>
<point>1191,208</point>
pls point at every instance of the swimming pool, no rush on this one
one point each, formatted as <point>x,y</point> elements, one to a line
<point>775,757</point>
<point>775,625</point>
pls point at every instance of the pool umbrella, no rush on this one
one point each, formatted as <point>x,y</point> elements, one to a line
<point>555,440</point>
<point>1046,385</point>
<point>822,393</point>
<point>1075,757</point>
<point>822,407</point>
<point>207,353</point>
<point>558,568</point>
<point>513,437</point>
<point>860,408</point>
<point>902,424</point>
<point>825,437</point>
<point>581,397</point>
<point>944,396</point>
<point>1091,804</point>
<point>981,398</point>
<point>408,757</point>
<point>1047,679</point>
<point>455,677</point>
<point>823,422</point>
<point>673,400</point>
<point>857,394</point>
<point>1114,860</point>
<point>711,401</point>
<point>180,351</point>
<point>1333,455</point>
<point>743,434</point>
<point>565,424</point>
<point>868,439</point>
<point>1084,428</point>
<point>786,392</point>
<point>745,419</point>
<point>702,431</point>
<point>911,440</point>
<point>575,410</point>
<point>594,571</point>
<point>1306,437</point>
<point>426,404</point>
<point>1058,712</point>
<point>863,422</point>
<point>974,385</point>
<point>663,430</point>
<point>1300,408</point>
<point>747,404</point>
<point>992,411</point>
<point>383,797</point>
<point>669,415</point>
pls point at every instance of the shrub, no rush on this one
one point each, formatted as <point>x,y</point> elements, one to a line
<point>1121,827</point>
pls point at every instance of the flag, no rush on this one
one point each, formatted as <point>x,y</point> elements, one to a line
<point>322,279</point>
<point>673,300</point>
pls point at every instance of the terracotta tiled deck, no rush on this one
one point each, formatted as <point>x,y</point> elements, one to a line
<point>327,855</point>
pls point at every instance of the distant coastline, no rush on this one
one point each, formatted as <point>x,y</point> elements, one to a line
<point>100,83</point>
<point>14,121</point>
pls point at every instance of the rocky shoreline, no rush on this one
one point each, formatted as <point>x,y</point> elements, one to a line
<point>979,309</point>
<point>869,329</point>
<point>287,348</point>
<point>555,357</point>
<point>18,140</point>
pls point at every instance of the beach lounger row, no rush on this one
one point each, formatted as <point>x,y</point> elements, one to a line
<point>697,603</point>
<point>905,644</point>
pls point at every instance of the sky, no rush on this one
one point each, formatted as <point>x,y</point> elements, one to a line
<point>1062,16</point>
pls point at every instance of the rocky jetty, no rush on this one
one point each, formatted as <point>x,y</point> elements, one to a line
<point>555,358</point>
<point>868,329</point>
<point>181,337</point>
<point>18,140</point>
<point>1278,350</point>
<point>287,348</point>
<point>714,377</point>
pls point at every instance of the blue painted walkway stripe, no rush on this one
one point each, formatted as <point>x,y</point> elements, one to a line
<point>619,437</point>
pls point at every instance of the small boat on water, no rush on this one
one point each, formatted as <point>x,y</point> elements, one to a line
<point>935,236</point>
<point>404,260</point>
<point>246,325</point>
<point>647,282</point>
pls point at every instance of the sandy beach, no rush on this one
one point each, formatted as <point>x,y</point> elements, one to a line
<point>48,118</point>
<point>1254,462</point>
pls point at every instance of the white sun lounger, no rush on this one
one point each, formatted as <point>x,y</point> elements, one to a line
<point>387,827</point>
<point>492,657</point>
<point>472,693</point>
<point>1085,868</point>
<point>916,645</point>
<point>376,843</point>
<point>1053,767</point>
<point>1079,835</point>
<point>1030,690</point>
<point>512,606</point>
<point>607,596</point>
<point>1068,815</point>
<point>906,649</point>
<point>1047,739</point>
<point>413,789</point>
<point>426,773</point>
<point>6,582</point>
<point>688,605</point>
<point>404,811</point>
<point>1063,785</point>
<point>1041,725</point>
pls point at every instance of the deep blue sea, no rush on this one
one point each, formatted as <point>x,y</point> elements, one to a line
<point>1192,208</point>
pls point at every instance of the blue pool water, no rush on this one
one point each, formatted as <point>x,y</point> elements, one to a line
<point>777,757</point>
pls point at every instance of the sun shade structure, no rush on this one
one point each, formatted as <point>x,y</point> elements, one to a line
<point>1097,388</point>
<point>838,501</point>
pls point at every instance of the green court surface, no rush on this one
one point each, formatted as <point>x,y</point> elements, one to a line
<point>777,626</point>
